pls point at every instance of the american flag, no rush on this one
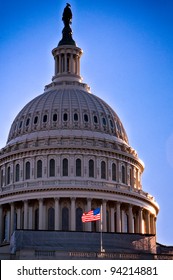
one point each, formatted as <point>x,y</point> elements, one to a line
<point>92,215</point>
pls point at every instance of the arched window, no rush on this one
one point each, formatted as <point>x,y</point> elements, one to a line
<point>91,168</point>
<point>114,175</point>
<point>36,120</point>
<point>95,119</point>
<point>85,117</point>
<point>65,167</point>
<point>27,170</point>
<point>111,124</point>
<point>103,170</point>
<point>65,117</point>
<point>65,218</point>
<point>79,224</point>
<point>39,169</point>
<point>20,125</point>
<point>55,117</point>
<point>75,117</point>
<point>52,168</point>
<point>17,173</point>
<point>45,118</point>
<point>27,121</point>
<point>123,177</point>
<point>104,121</point>
<point>51,218</point>
<point>78,167</point>
<point>8,175</point>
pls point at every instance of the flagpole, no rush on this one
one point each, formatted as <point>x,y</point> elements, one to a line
<point>101,231</point>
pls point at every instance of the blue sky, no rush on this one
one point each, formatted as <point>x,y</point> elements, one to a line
<point>127,61</point>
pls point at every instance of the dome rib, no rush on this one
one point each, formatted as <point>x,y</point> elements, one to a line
<point>68,99</point>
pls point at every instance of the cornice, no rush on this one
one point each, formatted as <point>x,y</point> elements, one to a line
<point>81,186</point>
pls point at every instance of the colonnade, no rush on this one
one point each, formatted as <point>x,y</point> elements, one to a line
<point>33,214</point>
<point>67,60</point>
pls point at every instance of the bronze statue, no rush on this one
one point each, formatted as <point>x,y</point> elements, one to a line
<point>67,15</point>
<point>67,32</point>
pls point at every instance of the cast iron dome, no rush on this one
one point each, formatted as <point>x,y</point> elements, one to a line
<point>67,103</point>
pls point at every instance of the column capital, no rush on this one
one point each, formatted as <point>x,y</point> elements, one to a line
<point>118,203</point>
<point>25,201</point>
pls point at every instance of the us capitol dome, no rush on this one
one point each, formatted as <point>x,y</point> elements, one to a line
<point>67,153</point>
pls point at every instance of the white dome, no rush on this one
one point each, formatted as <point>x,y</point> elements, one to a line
<point>63,108</point>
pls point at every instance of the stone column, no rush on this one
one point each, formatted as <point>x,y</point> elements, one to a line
<point>71,63</point>
<point>104,216</point>
<point>56,65</point>
<point>12,218</point>
<point>148,229</point>
<point>130,220</point>
<point>73,214</point>
<point>88,225</point>
<point>152,225</point>
<point>65,61</point>
<point>122,221</point>
<point>25,214</point>
<point>137,223</point>
<point>112,220</point>
<point>57,215</point>
<point>133,180</point>
<point>60,65</point>
<point>18,218</point>
<point>78,65</point>
<point>30,219</point>
<point>40,214</point>
<point>118,217</point>
<point>140,220</point>
<point>1,224</point>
